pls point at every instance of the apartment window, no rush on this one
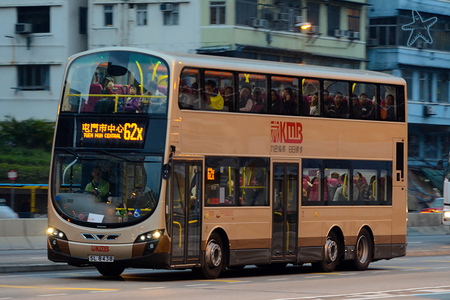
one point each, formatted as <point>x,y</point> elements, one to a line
<point>425,86</point>
<point>141,15</point>
<point>334,19</point>
<point>170,16</point>
<point>108,12</point>
<point>33,77</point>
<point>245,11</point>
<point>407,75</point>
<point>353,19</point>
<point>38,16</point>
<point>313,13</point>
<point>217,11</point>
<point>82,19</point>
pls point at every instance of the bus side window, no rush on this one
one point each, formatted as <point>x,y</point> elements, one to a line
<point>312,102</point>
<point>188,93</point>
<point>339,91</point>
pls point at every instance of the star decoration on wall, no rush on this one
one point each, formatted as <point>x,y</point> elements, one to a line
<point>419,28</point>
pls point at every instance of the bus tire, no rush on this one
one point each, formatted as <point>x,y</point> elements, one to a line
<point>331,254</point>
<point>110,270</point>
<point>363,251</point>
<point>214,260</point>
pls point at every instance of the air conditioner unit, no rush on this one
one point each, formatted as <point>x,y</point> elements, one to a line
<point>337,33</point>
<point>166,7</point>
<point>372,42</point>
<point>313,30</point>
<point>23,28</point>
<point>428,110</point>
<point>281,17</point>
<point>259,23</point>
<point>420,44</point>
<point>353,35</point>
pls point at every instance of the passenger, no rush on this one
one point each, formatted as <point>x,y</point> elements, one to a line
<point>98,186</point>
<point>390,111</point>
<point>108,86</point>
<point>342,191</point>
<point>258,101</point>
<point>158,101</point>
<point>132,103</point>
<point>288,102</point>
<point>195,95</point>
<point>184,95</point>
<point>228,101</point>
<point>366,107</point>
<point>329,109</point>
<point>245,101</point>
<point>314,105</point>
<point>341,106</point>
<point>356,107</point>
<point>371,191</point>
<point>275,102</point>
<point>213,97</point>
<point>361,183</point>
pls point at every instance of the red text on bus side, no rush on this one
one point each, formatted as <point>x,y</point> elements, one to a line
<point>99,248</point>
<point>286,132</point>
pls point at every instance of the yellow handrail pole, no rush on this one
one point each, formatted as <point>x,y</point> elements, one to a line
<point>178,223</point>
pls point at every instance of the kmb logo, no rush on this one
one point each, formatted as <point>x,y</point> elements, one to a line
<point>286,132</point>
<point>99,248</point>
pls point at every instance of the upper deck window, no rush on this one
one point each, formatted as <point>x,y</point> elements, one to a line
<point>116,82</point>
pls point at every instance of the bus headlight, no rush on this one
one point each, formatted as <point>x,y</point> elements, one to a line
<point>54,233</point>
<point>447,214</point>
<point>146,243</point>
<point>149,236</point>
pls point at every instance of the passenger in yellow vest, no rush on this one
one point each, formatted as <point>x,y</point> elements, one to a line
<point>213,97</point>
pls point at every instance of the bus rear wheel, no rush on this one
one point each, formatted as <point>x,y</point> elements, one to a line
<point>331,254</point>
<point>363,255</point>
<point>214,261</point>
<point>110,270</point>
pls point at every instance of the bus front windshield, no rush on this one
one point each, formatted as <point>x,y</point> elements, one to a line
<point>100,188</point>
<point>116,82</point>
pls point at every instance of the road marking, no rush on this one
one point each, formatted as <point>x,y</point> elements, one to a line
<point>154,288</point>
<point>84,289</point>
<point>52,295</point>
<point>277,279</point>
<point>222,280</point>
<point>378,295</point>
<point>444,261</point>
<point>18,286</point>
<point>195,285</point>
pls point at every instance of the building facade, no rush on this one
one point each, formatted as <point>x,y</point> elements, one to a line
<point>271,30</point>
<point>36,37</point>
<point>411,39</point>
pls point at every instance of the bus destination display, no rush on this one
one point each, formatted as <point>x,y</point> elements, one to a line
<point>112,133</point>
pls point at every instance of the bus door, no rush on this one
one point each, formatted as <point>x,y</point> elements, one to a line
<point>285,211</point>
<point>186,210</point>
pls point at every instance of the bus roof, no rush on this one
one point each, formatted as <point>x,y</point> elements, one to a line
<point>260,66</point>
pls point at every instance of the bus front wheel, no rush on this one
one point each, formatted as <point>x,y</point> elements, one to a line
<point>110,270</point>
<point>331,254</point>
<point>214,261</point>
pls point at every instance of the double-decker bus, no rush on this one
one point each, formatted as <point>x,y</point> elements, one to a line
<point>198,162</point>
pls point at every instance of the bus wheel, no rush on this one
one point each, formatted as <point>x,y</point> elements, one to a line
<point>110,270</point>
<point>331,253</point>
<point>363,255</point>
<point>214,257</point>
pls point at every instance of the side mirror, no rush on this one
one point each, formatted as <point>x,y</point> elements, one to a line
<point>166,171</point>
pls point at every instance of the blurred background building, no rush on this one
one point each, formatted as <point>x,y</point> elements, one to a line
<point>37,36</point>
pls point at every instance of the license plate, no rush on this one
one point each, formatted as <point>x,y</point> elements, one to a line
<point>101,258</point>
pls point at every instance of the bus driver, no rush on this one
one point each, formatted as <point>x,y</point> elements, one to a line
<point>98,186</point>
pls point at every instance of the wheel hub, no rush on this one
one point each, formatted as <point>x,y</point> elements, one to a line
<point>331,250</point>
<point>213,254</point>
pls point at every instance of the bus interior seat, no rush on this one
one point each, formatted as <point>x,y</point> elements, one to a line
<point>94,89</point>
